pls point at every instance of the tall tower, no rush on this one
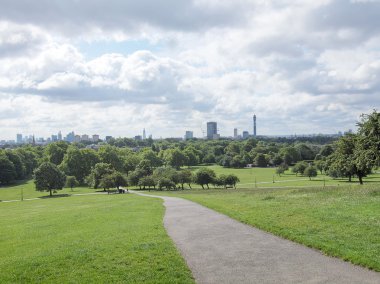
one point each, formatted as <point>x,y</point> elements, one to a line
<point>144,134</point>
<point>211,129</point>
<point>254,125</point>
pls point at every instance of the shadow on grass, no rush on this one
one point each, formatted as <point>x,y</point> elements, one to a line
<point>55,196</point>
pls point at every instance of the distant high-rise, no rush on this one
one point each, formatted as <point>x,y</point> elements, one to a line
<point>54,138</point>
<point>95,138</point>
<point>254,125</point>
<point>235,132</point>
<point>188,135</point>
<point>19,138</point>
<point>211,129</point>
<point>59,136</point>
<point>144,134</point>
<point>70,137</point>
<point>245,134</point>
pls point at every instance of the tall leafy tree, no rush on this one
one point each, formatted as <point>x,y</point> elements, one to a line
<point>204,176</point>
<point>47,177</point>
<point>7,170</point>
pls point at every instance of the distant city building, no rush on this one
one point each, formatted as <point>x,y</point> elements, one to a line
<point>245,134</point>
<point>59,136</point>
<point>211,129</point>
<point>188,135</point>
<point>54,138</point>
<point>95,137</point>
<point>138,138</point>
<point>77,138</point>
<point>85,137</point>
<point>144,134</point>
<point>216,136</point>
<point>108,138</point>
<point>235,133</point>
<point>19,138</point>
<point>70,137</point>
<point>254,125</point>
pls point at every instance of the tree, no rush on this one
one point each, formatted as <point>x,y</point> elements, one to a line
<point>261,161</point>
<point>185,176</point>
<point>48,177</point>
<point>119,180</point>
<point>110,155</point>
<point>152,157</point>
<point>310,172</point>
<point>175,158</point>
<point>191,157</point>
<point>54,152</point>
<point>231,180</point>
<point>106,182</point>
<point>71,182</point>
<point>166,183</point>
<point>280,170</point>
<point>369,132</point>
<point>15,158</point>
<point>299,167</point>
<point>7,170</point>
<point>147,181</point>
<point>204,176</point>
<point>97,173</point>
<point>130,163</point>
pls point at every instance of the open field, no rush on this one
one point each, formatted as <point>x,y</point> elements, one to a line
<point>88,239</point>
<point>27,190</point>
<point>264,178</point>
<point>341,221</point>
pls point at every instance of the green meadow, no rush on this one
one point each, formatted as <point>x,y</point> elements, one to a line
<point>88,239</point>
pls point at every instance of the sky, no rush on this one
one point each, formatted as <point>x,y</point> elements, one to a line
<point>115,67</point>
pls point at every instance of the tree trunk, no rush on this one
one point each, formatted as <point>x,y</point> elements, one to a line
<point>182,186</point>
<point>208,186</point>
<point>190,185</point>
<point>51,194</point>
<point>349,178</point>
<point>360,179</point>
<point>202,186</point>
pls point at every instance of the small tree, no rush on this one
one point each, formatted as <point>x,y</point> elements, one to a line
<point>107,182</point>
<point>119,180</point>
<point>48,177</point>
<point>310,172</point>
<point>71,182</point>
<point>299,167</point>
<point>185,176</point>
<point>147,181</point>
<point>261,160</point>
<point>204,176</point>
<point>232,180</point>
<point>280,170</point>
<point>165,183</point>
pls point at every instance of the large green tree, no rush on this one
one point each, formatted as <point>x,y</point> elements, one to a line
<point>7,170</point>
<point>204,176</point>
<point>47,177</point>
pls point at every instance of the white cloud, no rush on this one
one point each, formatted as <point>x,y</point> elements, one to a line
<point>290,62</point>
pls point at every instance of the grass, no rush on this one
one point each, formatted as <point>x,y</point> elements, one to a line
<point>28,190</point>
<point>88,239</point>
<point>264,177</point>
<point>342,221</point>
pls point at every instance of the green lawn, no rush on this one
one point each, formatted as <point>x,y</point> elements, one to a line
<point>28,190</point>
<point>88,239</point>
<point>264,177</point>
<point>341,221</point>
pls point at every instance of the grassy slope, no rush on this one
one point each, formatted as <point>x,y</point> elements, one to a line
<point>341,221</point>
<point>87,239</point>
<point>13,192</point>
<point>264,178</point>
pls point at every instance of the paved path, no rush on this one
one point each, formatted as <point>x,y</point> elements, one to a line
<point>219,249</point>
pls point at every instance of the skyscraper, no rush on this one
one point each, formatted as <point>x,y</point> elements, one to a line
<point>235,132</point>
<point>59,136</point>
<point>211,129</point>
<point>144,135</point>
<point>19,138</point>
<point>188,135</point>
<point>254,125</point>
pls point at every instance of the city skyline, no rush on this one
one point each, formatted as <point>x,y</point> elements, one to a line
<point>302,66</point>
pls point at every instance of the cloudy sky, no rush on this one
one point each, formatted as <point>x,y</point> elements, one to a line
<point>115,67</point>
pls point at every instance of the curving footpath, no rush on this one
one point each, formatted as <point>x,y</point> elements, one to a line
<point>219,249</point>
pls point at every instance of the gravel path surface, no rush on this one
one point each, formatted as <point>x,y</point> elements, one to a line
<point>219,249</point>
